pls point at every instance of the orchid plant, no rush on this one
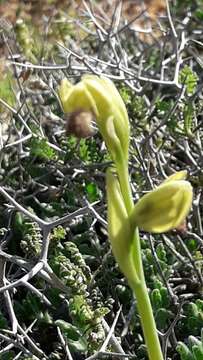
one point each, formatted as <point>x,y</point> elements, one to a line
<point>158,211</point>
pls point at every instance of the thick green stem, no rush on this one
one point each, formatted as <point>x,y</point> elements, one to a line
<point>138,284</point>
<point>144,305</point>
<point>147,321</point>
<point>122,169</point>
<point>137,255</point>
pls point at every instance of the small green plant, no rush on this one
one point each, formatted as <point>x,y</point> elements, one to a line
<point>194,318</point>
<point>29,234</point>
<point>189,78</point>
<point>25,39</point>
<point>86,314</point>
<point>160,210</point>
<point>6,89</point>
<point>193,350</point>
<point>41,149</point>
<point>161,305</point>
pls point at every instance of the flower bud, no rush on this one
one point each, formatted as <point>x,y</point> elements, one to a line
<point>164,208</point>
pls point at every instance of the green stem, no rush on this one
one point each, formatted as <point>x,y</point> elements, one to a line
<point>147,321</point>
<point>144,304</point>
<point>122,170</point>
<point>138,283</point>
<point>137,255</point>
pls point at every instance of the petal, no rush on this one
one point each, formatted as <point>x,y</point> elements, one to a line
<point>64,90</point>
<point>112,141</point>
<point>113,94</point>
<point>164,208</point>
<point>100,95</point>
<point>109,103</point>
<point>76,97</point>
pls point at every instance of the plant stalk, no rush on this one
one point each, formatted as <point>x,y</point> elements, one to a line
<point>147,321</point>
<point>139,286</point>
<point>123,175</point>
<point>144,304</point>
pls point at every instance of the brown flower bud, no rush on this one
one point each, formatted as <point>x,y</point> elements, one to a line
<point>80,124</point>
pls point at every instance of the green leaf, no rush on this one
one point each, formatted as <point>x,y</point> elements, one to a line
<point>41,149</point>
<point>165,297</point>
<point>73,336</point>
<point>161,253</point>
<point>189,78</point>
<point>188,116</point>
<point>156,299</point>
<point>59,233</point>
<point>199,304</point>
<point>185,353</point>
<point>6,89</point>
<point>8,356</point>
<point>3,322</point>
<point>192,244</point>
<point>198,352</point>
<point>162,316</point>
<point>92,192</point>
<point>199,14</point>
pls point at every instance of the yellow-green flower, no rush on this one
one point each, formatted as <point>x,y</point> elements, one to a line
<point>164,208</point>
<point>100,96</point>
